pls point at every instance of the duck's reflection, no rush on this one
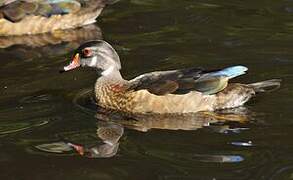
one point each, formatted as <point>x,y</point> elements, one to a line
<point>48,44</point>
<point>191,121</point>
<point>109,133</point>
<point>110,129</point>
<point>103,145</point>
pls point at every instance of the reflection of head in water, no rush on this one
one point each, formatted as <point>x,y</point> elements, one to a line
<point>109,133</point>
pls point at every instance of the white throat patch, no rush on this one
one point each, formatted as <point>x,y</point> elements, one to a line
<point>93,62</point>
<point>108,71</point>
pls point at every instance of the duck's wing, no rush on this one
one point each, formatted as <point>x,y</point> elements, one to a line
<point>5,2</point>
<point>186,80</point>
<point>15,11</point>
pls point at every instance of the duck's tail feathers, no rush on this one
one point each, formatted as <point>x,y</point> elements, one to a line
<point>231,72</point>
<point>266,86</point>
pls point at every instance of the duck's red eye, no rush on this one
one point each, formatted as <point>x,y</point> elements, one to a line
<point>87,52</point>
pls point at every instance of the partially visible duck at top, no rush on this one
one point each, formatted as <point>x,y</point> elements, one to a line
<point>18,17</point>
<point>176,91</point>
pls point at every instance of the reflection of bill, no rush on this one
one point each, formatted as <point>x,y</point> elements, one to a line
<point>101,151</point>
<point>48,44</point>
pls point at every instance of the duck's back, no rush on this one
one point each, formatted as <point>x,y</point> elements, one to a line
<point>39,16</point>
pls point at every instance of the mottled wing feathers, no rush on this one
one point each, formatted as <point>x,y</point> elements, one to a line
<point>53,7</point>
<point>5,2</point>
<point>186,80</point>
<point>165,87</point>
<point>163,82</point>
<point>15,11</point>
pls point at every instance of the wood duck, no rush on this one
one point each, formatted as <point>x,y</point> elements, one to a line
<point>175,91</point>
<point>18,17</point>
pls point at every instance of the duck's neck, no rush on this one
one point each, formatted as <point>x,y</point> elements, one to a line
<point>109,89</point>
<point>111,76</point>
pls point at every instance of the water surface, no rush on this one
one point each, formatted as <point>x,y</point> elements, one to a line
<point>39,106</point>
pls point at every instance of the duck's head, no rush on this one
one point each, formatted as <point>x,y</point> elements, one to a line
<point>96,54</point>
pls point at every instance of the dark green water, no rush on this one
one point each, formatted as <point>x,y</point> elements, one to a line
<point>40,106</point>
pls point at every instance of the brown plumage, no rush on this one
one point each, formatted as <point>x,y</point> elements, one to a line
<point>142,101</point>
